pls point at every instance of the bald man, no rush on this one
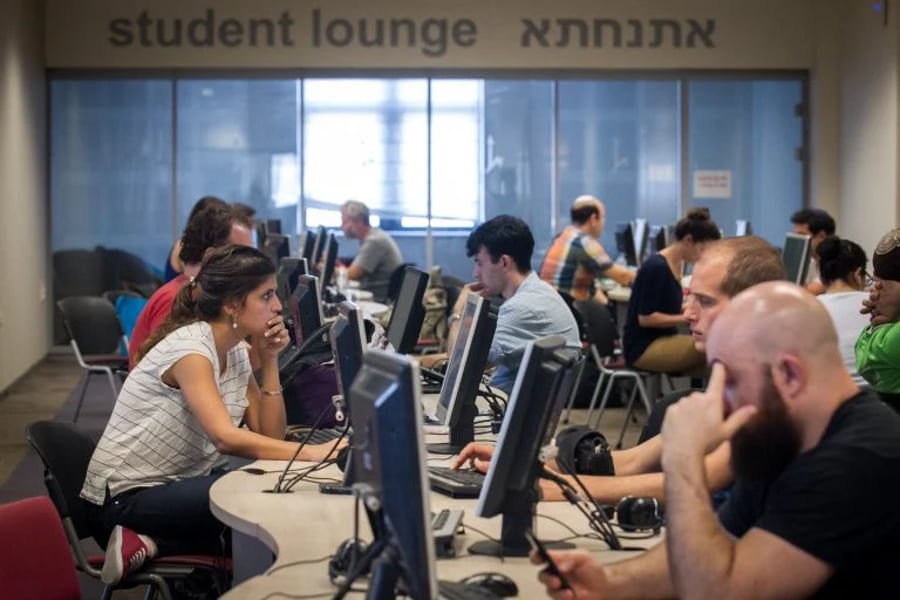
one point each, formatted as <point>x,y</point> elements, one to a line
<point>812,513</point>
<point>725,268</point>
<point>576,258</point>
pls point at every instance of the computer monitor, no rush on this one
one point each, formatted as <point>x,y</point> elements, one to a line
<point>625,243</point>
<point>640,238</point>
<point>389,464</point>
<point>289,269</point>
<point>409,312</point>
<point>537,398</point>
<point>318,248</point>
<point>659,238</point>
<point>795,256</point>
<point>742,227</point>
<point>276,247</point>
<point>468,358</point>
<point>329,258</point>
<point>306,308</point>
<point>306,245</point>
<point>273,226</point>
<point>348,342</point>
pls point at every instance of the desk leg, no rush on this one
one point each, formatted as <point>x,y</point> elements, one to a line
<point>250,557</point>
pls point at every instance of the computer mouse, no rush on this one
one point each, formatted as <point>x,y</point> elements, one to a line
<point>496,583</point>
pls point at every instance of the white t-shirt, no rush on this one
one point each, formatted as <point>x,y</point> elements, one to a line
<point>152,437</point>
<point>844,310</point>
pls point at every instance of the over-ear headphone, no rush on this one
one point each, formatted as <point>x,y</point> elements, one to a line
<point>584,451</point>
<point>639,513</point>
<point>349,552</point>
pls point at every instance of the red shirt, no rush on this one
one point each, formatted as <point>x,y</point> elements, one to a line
<point>155,312</point>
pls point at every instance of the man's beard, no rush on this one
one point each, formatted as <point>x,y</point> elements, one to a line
<point>762,449</point>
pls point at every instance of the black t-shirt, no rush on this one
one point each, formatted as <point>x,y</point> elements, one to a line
<point>837,502</point>
<point>655,289</point>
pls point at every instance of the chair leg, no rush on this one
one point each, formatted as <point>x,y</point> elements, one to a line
<point>601,377</point>
<point>628,412</point>
<point>85,381</point>
<point>574,393</point>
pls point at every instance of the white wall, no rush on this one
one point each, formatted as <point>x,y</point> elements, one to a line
<point>24,322</point>
<point>869,125</point>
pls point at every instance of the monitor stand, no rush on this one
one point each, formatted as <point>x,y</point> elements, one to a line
<point>461,433</point>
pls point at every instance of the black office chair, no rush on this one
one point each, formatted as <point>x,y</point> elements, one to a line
<point>66,453</point>
<point>97,338</point>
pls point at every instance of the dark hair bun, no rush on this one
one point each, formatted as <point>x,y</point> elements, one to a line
<point>700,213</point>
<point>829,248</point>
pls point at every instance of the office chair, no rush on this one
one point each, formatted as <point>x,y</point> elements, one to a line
<point>35,562</point>
<point>96,335</point>
<point>66,452</point>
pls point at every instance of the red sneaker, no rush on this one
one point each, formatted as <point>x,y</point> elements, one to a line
<point>126,552</point>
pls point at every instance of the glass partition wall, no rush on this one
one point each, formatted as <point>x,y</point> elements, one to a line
<point>432,157</point>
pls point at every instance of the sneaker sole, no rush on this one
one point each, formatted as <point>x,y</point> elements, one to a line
<point>112,570</point>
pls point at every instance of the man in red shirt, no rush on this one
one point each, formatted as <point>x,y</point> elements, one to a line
<point>210,228</point>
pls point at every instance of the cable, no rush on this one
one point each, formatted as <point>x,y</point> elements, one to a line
<point>277,489</point>
<point>597,518</point>
<point>558,522</point>
<point>297,563</point>
<point>318,466</point>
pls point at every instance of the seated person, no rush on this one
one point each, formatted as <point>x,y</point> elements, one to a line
<point>651,340</point>
<point>174,264</point>
<point>726,268</point>
<point>180,409</point>
<point>502,249</point>
<point>817,224</point>
<point>576,258</point>
<point>378,255</point>
<point>878,346</point>
<point>808,451</point>
<point>211,227</point>
<point>842,268</point>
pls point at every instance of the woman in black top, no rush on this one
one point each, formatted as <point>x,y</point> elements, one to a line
<point>651,339</point>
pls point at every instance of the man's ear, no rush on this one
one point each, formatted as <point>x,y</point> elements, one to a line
<point>790,375</point>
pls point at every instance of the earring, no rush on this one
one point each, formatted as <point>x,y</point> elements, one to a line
<point>234,321</point>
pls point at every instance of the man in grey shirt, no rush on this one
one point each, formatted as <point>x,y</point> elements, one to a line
<point>502,249</point>
<point>378,255</point>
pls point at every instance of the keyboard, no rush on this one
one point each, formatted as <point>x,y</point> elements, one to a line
<point>318,436</point>
<point>444,527</point>
<point>287,356</point>
<point>451,590</point>
<point>455,483</point>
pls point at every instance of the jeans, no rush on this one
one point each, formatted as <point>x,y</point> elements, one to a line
<point>176,515</point>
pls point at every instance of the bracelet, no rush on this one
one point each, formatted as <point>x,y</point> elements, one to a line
<point>273,392</point>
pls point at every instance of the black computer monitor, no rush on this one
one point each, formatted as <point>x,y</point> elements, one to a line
<point>276,247</point>
<point>272,226</point>
<point>409,312</point>
<point>641,238</point>
<point>468,358</point>
<point>742,227</point>
<point>306,308</point>
<point>795,256</point>
<point>659,238</point>
<point>389,464</point>
<point>306,245</point>
<point>289,269</point>
<point>510,485</point>
<point>318,248</point>
<point>329,258</point>
<point>625,243</point>
<point>348,342</point>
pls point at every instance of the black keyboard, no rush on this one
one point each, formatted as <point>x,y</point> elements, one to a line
<point>444,527</point>
<point>452,590</point>
<point>287,356</point>
<point>455,483</point>
<point>318,436</point>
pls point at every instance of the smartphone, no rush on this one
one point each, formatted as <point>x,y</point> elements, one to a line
<point>542,552</point>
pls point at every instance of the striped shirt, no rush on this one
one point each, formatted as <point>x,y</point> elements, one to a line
<point>573,263</point>
<point>152,437</point>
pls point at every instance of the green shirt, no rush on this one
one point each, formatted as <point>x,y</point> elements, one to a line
<point>878,356</point>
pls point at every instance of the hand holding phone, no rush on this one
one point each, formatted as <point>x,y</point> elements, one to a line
<point>551,567</point>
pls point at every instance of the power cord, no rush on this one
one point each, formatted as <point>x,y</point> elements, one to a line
<point>597,519</point>
<point>278,489</point>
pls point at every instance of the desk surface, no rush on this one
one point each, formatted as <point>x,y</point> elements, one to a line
<point>306,525</point>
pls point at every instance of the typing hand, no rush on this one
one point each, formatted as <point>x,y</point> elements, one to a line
<point>697,424</point>
<point>319,452</point>
<point>586,578</point>
<point>478,456</point>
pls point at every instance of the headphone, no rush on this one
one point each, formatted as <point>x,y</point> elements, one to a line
<point>584,451</point>
<point>639,513</point>
<point>349,552</point>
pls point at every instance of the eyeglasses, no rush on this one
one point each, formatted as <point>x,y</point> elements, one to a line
<point>870,279</point>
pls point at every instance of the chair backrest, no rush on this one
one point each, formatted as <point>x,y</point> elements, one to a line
<point>92,323</point>
<point>601,328</point>
<point>35,561</point>
<point>583,331</point>
<point>66,452</point>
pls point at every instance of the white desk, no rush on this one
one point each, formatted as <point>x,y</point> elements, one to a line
<point>371,310</point>
<point>306,525</point>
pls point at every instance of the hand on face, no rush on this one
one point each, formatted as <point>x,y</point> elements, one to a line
<point>697,424</point>
<point>883,303</point>
<point>274,339</point>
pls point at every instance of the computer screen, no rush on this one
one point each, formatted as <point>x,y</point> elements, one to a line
<point>795,255</point>
<point>289,269</point>
<point>389,465</point>
<point>468,358</point>
<point>348,342</point>
<point>625,243</point>
<point>306,308</point>
<point>318,248</point>
<point>659,238</point>
<point>276,247</point>
<point>306,245</point>
<point>329,258</point>
<point>537,397</point>
<point>640,238</point>
<point>409,312</point>
<point>742,227</point>
<point>273,226</point>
